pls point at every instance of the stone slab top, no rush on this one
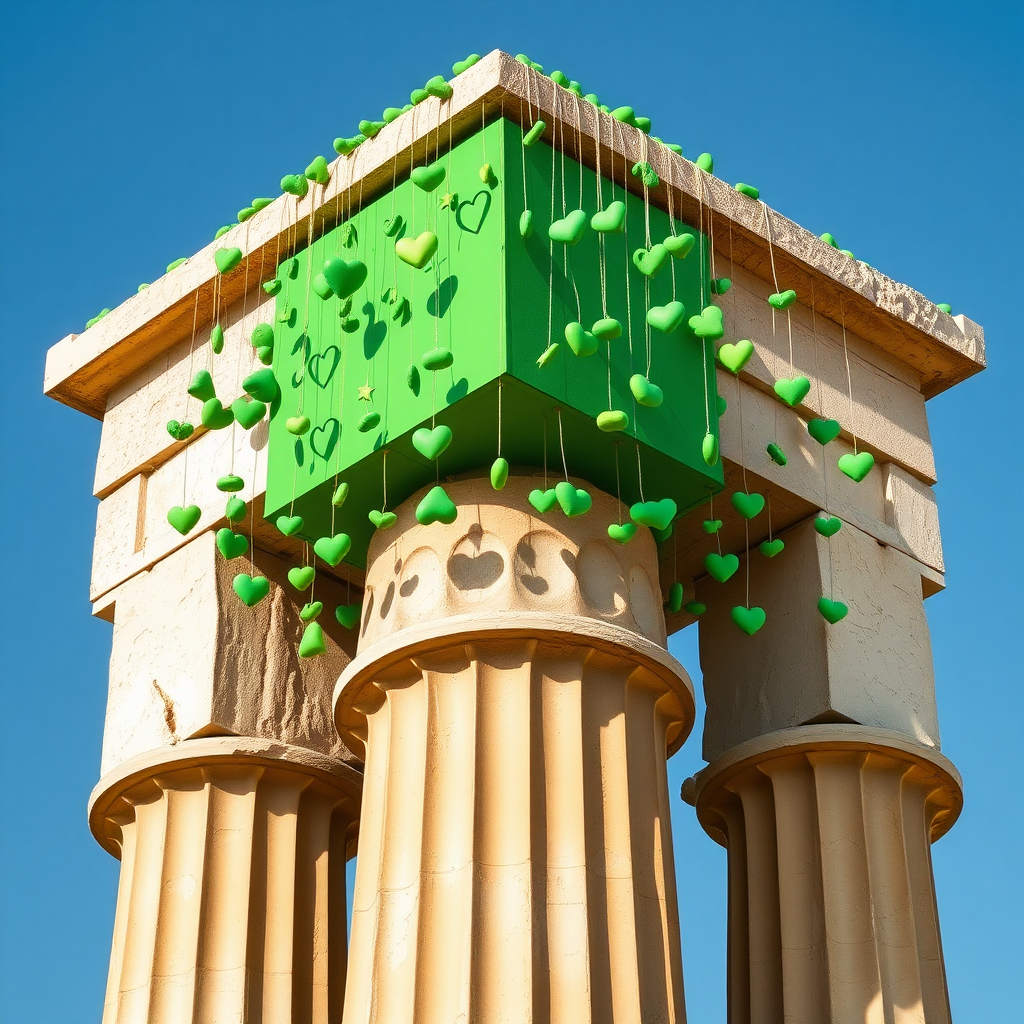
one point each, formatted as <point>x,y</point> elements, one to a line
<point>82,370</point>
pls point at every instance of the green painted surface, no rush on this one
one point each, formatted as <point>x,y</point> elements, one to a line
<point>485,296</point>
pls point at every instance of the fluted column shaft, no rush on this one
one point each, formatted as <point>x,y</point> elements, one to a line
<point>832,913</point>
<point>231,902</point>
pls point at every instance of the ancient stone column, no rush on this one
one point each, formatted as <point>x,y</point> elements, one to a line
<point>827,786</point>
<point>516,705</point>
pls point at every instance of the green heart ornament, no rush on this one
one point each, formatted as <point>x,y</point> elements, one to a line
<point>782,300</point>
<point>417,251</point>
<point>709,449</point>
<point>301,576</point>
<point>721,567</point>
<point>711,525</point>
<point>311,610</point>
<point>183,519</point>
<point>547,355</point>
<point>706,162</point>
<point>297,425</point>
<point>428,177</point>
<point>217,339</point>
<point>569,230</point>
<point>234,510</point>
<point>611,420</point>
<point>770,548</point>
<point>382,520</point>
<point>720,285</point>
<point>776,454</point>
<point>610,219</point>
<point>368,422</point>
<point>645,393</point>
<point>214,416</point>
<point>832,611</point>
<point>747,190</point>
<point>348,614</point>
<point>262,385</point>
<point>499,473</point>
<point>436,507</point>
<point>543,501</point>
<point>438,86</point>
<point>464,65</point>
<point>666,318</point>
<point>227,259</point>
<point>574,501</point>
<point>319,171</point>
<point>295,184</point>
<point>674,603</point>
<point>708,323</point>
<point>525,224</point>
<point>248,413</point>
<point>431,443</point>
<point>828,526</point>
<point>435,359</point>
<point>289,525</point>
<point>321,287</point>
<point>695,607</point>
<point>749,620</point>
<point>273,286</point>
<point>582,342</point>
<point>312,644</point>
<point>368,129</point>
<point>202,386</point>
<point>655,514</point>
<point>230,483</point>
<point>344,277</point>
<point>735,356</point>
<point>231,544</point>
<point>823,431</point>
<point>748,505</point>
<point>650,261</point>
<point>856,467</point>
<point>251,589</point>
<point>333,549</point>
<point>622,533</point>
<point>180,431</point>
<point>794,391</point>
<point>340,494</point>
<point>606,329</point>
<point>534,133</point>
<point>680,245</point>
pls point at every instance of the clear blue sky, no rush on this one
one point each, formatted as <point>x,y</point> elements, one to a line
<point>131,131</point>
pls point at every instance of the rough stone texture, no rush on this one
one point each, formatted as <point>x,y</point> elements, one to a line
<point>873,668</point>
<point>189,659</point>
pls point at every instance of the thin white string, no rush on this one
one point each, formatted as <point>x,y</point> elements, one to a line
<point>849,378</point>
<point>561,442</point>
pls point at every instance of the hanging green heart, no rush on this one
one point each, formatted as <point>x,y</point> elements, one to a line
<point>610,219</point>
<point>297,425</point>
<point>311,610</point>
<point>666,318</point>
<point>832,611</point>
<point>770,548</point>
<point>534,133</point>
<point>680,245</point>
<point>262,385</point>
<point>333,549</point>
<point>431,443</point>
<point>319,171</point>
<point>464,65</point>
<point>574,501</point>
<point>645,172</point>
<point>547,355</point>
<point>417,251</point>
<point>794,391</point>
<point>295,184</point>
<point>712,525</point>
<point>747,190</point>
<point>301,576</point>
<point>611,420</point>
<point>709,449</point>
<point>428,177</point>
<point>560,79</point>
<point>348,614</point>
<point>230,483</point>
<point>231,544</point>
<point>720,285</point>
<point>202,386</point>
<point>321,287</point>
<point>499,473</point>
<point>525,224</point>
<point>655,514</point>
<point>179,431</point>
<point>721,567</point>
<point>782,300</point>
<point>436,507</point>
<point>312,644</point>
<point>543,501</point>
<point>828,526</point>
<point>708,323</point>
<point>214,416</point>
<point>644,124</point>
<point>750,620</point>
<point>344,277</point>
<point>251,589</point>
<point>234,510</point>
<point>624,114</point>
<point>823,431</point>
<point>569,230</point>
<point>856,467</point>
<point>382,520</point>
<point>273,286</point>
<point>606,329</point>
<point>776,454</point>
<point>622,533</point>
<point>645,393</point>
<point>695,607</point>
<point>735,356</point>
<point>721,405</point>
<point>265,354</point>
<point>227,259</point>
<point>650,261</point>
<point>248,413</point>
<point>582,342</point>
<point>748,505</point>
<point>437,359</point>
<point>368,422</point>
<point>439,87</point>
<point>217,339</point>
<point>674,603</point>
<point>706,162</point>
<point>183,519</point>
<point>290,525</point>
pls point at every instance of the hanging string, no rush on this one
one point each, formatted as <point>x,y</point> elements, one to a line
<point>384,476</point>
<point>618,489</point>
<point>500,386</point>
<point>639,472</point>
<point>561,442</point>
<point>849,378</point>
<point>718,533</point>
<point>824,461</point>
<point>545,428</point>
